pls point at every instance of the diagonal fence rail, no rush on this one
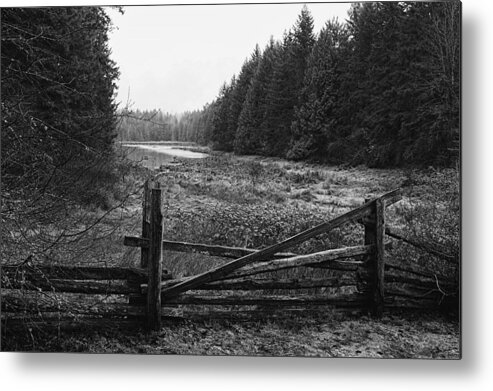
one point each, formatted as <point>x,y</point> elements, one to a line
<point>239,272</point>
<point>250,279</point>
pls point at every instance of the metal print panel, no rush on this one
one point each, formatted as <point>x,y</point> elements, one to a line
<point>243,179</point>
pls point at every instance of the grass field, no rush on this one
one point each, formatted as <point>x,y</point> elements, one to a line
<point>254,202</point>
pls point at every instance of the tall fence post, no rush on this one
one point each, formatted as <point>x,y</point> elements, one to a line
<point>379,286</point>
<point>146,219</point>
<point>374,235</point>
<point>153,308</point>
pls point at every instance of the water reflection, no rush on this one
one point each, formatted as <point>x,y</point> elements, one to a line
<point>153,156</point>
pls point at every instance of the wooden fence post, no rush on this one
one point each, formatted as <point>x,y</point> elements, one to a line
<point>153,308</point>
<point>146,218</point>
<point>374,235</point>
<point>379,287</point>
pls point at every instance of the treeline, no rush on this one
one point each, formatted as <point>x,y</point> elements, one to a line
<point>382,89</point>
<point>154,125</point>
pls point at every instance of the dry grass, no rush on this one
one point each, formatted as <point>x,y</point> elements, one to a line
<point>254,203</point>
<point>328,335</point>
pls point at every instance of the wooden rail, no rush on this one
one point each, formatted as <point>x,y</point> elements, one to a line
<point>226,269</point>
<point>214,250</point>
<point>342,301</point>
<point>376,284</point>
<point>28,271</point>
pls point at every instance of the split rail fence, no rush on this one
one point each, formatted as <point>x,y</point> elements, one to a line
<point>378,284</point>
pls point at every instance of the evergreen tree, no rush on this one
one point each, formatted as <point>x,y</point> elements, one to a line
<point>58,82</point>
<point>240,90</point>
<point>58,127</point>
<point>248,136</point>
<point>284,90</point>
<point>303,40</point>
<point>317,121</point>
<point>280,100</point>
<point>382,90</point>
<point>222,132</point>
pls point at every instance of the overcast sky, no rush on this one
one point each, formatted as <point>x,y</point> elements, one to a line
<point>175,58</point>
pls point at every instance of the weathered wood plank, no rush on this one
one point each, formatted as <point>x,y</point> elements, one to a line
<point>326,259</point>
<point>374,234</point>
<point>75,272</point>
<point>379,292</point>
<point>347,301</point>
<point>437,251</point>
<point>155,263</point>
<point>228,268</point>
<point>417,271</point>
<point>73,286</point>
<point>416,294</point>
<point>261,284</point>
<point>218,251</point>
<point>134,241</point>
<point>394,277</point>
<point>16,304</point>
<point>146,210</point>
<point>370,239</point>
<point>354,300</point>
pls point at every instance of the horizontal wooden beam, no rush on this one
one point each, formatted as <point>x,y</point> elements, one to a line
<point>24,306</point>
<point>230,267</point>
<point>331,259</point>
<point>261,284</point>
<point>346,301</point>
<point>134,241</point>
<point>437,251</point>
<point>270,300</point>
<point>218,251</point>
<point>392,276</point>
<point>419,271</point>
<point>72,286</point>
<point>418,293</point>
<point>74,272</point>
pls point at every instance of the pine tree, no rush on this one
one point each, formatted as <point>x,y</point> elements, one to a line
<point>241,87</point>
<point>303,40</point>
<point>284,89</point>
<point>222,135</point>
<point>281,97</point>
<point>316,121</point>
<point>58,83</point>
<point>248,134</point>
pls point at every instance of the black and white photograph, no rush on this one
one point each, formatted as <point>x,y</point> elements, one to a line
<point>260,180</point>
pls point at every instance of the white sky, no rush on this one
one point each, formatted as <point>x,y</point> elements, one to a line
<point>175,58</point>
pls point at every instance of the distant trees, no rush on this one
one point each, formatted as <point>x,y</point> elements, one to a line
<point>381,89</point>
<point>146,125</point>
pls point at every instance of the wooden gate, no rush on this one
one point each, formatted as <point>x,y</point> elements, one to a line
<point>246,280</point>
<point>366,262</point>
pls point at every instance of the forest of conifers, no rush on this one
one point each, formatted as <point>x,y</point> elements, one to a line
<point>58,115</point>
<point>381,89</point>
